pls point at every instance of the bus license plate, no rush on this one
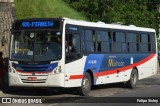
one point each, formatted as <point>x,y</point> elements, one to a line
<point>32,78</point>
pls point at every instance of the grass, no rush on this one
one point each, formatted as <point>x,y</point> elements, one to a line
<point>45,9</point>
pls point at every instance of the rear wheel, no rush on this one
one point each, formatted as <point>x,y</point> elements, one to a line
<point>85,85</point>
<point>133,79</point>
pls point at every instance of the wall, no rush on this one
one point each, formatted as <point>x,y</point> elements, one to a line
<point>7,16</point>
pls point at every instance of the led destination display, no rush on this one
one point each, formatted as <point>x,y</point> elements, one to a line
<point>37,24</point>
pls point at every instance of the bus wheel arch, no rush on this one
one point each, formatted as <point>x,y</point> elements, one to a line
<point>137,71</point>
<point>91,75</point>
<point>131,83</point>
<point>86,83</point>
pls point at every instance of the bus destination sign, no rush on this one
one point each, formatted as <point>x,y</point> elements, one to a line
<point>38,24</point>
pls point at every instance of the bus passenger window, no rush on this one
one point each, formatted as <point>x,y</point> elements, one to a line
<point>73,47</point>
<point>132,42</point>
<point>144,42</point>
<point>103,41</point>
<point>89,43</point>
<point>153,44</point>
<point>68,44</point>
<point>119,42</point>
<point>73,43</point>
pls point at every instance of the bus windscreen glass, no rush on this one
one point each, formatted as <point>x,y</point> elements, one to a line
<point>36,45</point>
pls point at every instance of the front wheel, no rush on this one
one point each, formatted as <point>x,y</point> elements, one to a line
<point>85,85</point>
<point>133,79</point>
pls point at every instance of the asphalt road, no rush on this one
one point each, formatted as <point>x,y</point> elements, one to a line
<point>110,93</point>
<point>107,90</point>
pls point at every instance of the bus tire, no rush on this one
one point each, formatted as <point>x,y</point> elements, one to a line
<point>133,79</point>
<point>85,85</point>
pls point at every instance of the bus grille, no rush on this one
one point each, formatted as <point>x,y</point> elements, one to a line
<point>35,68</point>
<point>37,81</point>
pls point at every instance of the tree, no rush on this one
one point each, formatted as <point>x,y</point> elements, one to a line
<point>142,13</point>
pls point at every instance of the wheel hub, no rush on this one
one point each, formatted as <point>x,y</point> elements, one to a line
<point>85,84</point>
<point>134,79</point>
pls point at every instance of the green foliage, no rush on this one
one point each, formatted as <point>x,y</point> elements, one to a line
<point>141,13</point>
<point>158,44</point>
<point>45,9</point>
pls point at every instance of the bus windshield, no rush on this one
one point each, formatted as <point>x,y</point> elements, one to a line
<point>36,45</point>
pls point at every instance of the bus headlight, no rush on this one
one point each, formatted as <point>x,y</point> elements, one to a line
<point>13,71</point>
<point>9,69</point>
<point>55,70</point>
<point>16,66</point>
<point>59,69</point>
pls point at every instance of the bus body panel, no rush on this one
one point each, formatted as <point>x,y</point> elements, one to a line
<point>74,72</point>
<point>148,69</point>
<point>105,70</point>
<point>119,65</point>
<point>52,81</point>
<point>108,26</point>
<point>114,78</point>
<point>145,70</point>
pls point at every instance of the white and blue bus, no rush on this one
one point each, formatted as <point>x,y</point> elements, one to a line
<point>65,53</point>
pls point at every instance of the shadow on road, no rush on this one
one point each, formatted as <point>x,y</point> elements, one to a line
<point>39,91</point>
<point>54,91</point>
<point>114,85</point>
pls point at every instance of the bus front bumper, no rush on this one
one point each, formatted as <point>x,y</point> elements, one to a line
<point>52,80</point>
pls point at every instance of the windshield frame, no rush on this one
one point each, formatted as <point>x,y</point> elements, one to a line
<point>33,30</point>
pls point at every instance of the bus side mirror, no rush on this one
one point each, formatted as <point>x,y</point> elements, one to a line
<point>3,40</point>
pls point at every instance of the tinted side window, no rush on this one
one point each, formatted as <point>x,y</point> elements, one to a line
<point>72,47</point>
<point>103,41</point>
<point>89,40</point>
<point>73,42</point>
<point>132,42</point>
<point>144,43</point>
<point>119,42</point>
<point>153,43</point>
